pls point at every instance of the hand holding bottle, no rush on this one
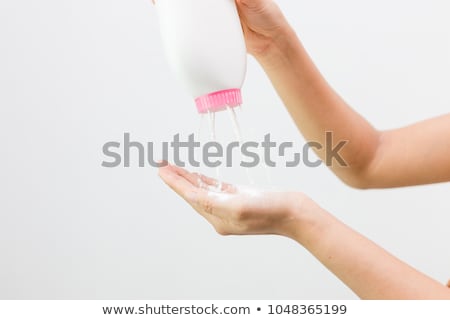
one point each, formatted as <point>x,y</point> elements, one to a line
<point>263,24</point>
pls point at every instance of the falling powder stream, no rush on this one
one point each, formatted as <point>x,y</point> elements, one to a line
<point>238,135</point>
<point>212,129</point>
<point>213,137</point>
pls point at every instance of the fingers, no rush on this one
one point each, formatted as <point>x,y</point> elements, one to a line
<point>205,182</point>
<point>216,207</point>
<point>215,185</point>
<point>197,179</point>
<point>182,186</point>
<point>200,191</point>
<point>186,185</point>
<point>191,177</point>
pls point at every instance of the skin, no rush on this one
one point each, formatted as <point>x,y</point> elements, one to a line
<point>414,155</point>
<point>371,272</point>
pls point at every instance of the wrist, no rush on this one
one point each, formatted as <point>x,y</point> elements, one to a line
<point>307,221</point>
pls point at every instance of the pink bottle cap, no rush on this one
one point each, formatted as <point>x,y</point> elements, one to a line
<point>219,100</point>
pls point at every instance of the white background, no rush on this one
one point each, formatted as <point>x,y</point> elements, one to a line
<point>76,74</point>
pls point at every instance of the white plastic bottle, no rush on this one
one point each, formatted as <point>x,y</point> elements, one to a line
<point>205,47</point>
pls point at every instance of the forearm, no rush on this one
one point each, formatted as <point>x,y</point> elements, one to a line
<point>316,108</point>
<point>364,267</point>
